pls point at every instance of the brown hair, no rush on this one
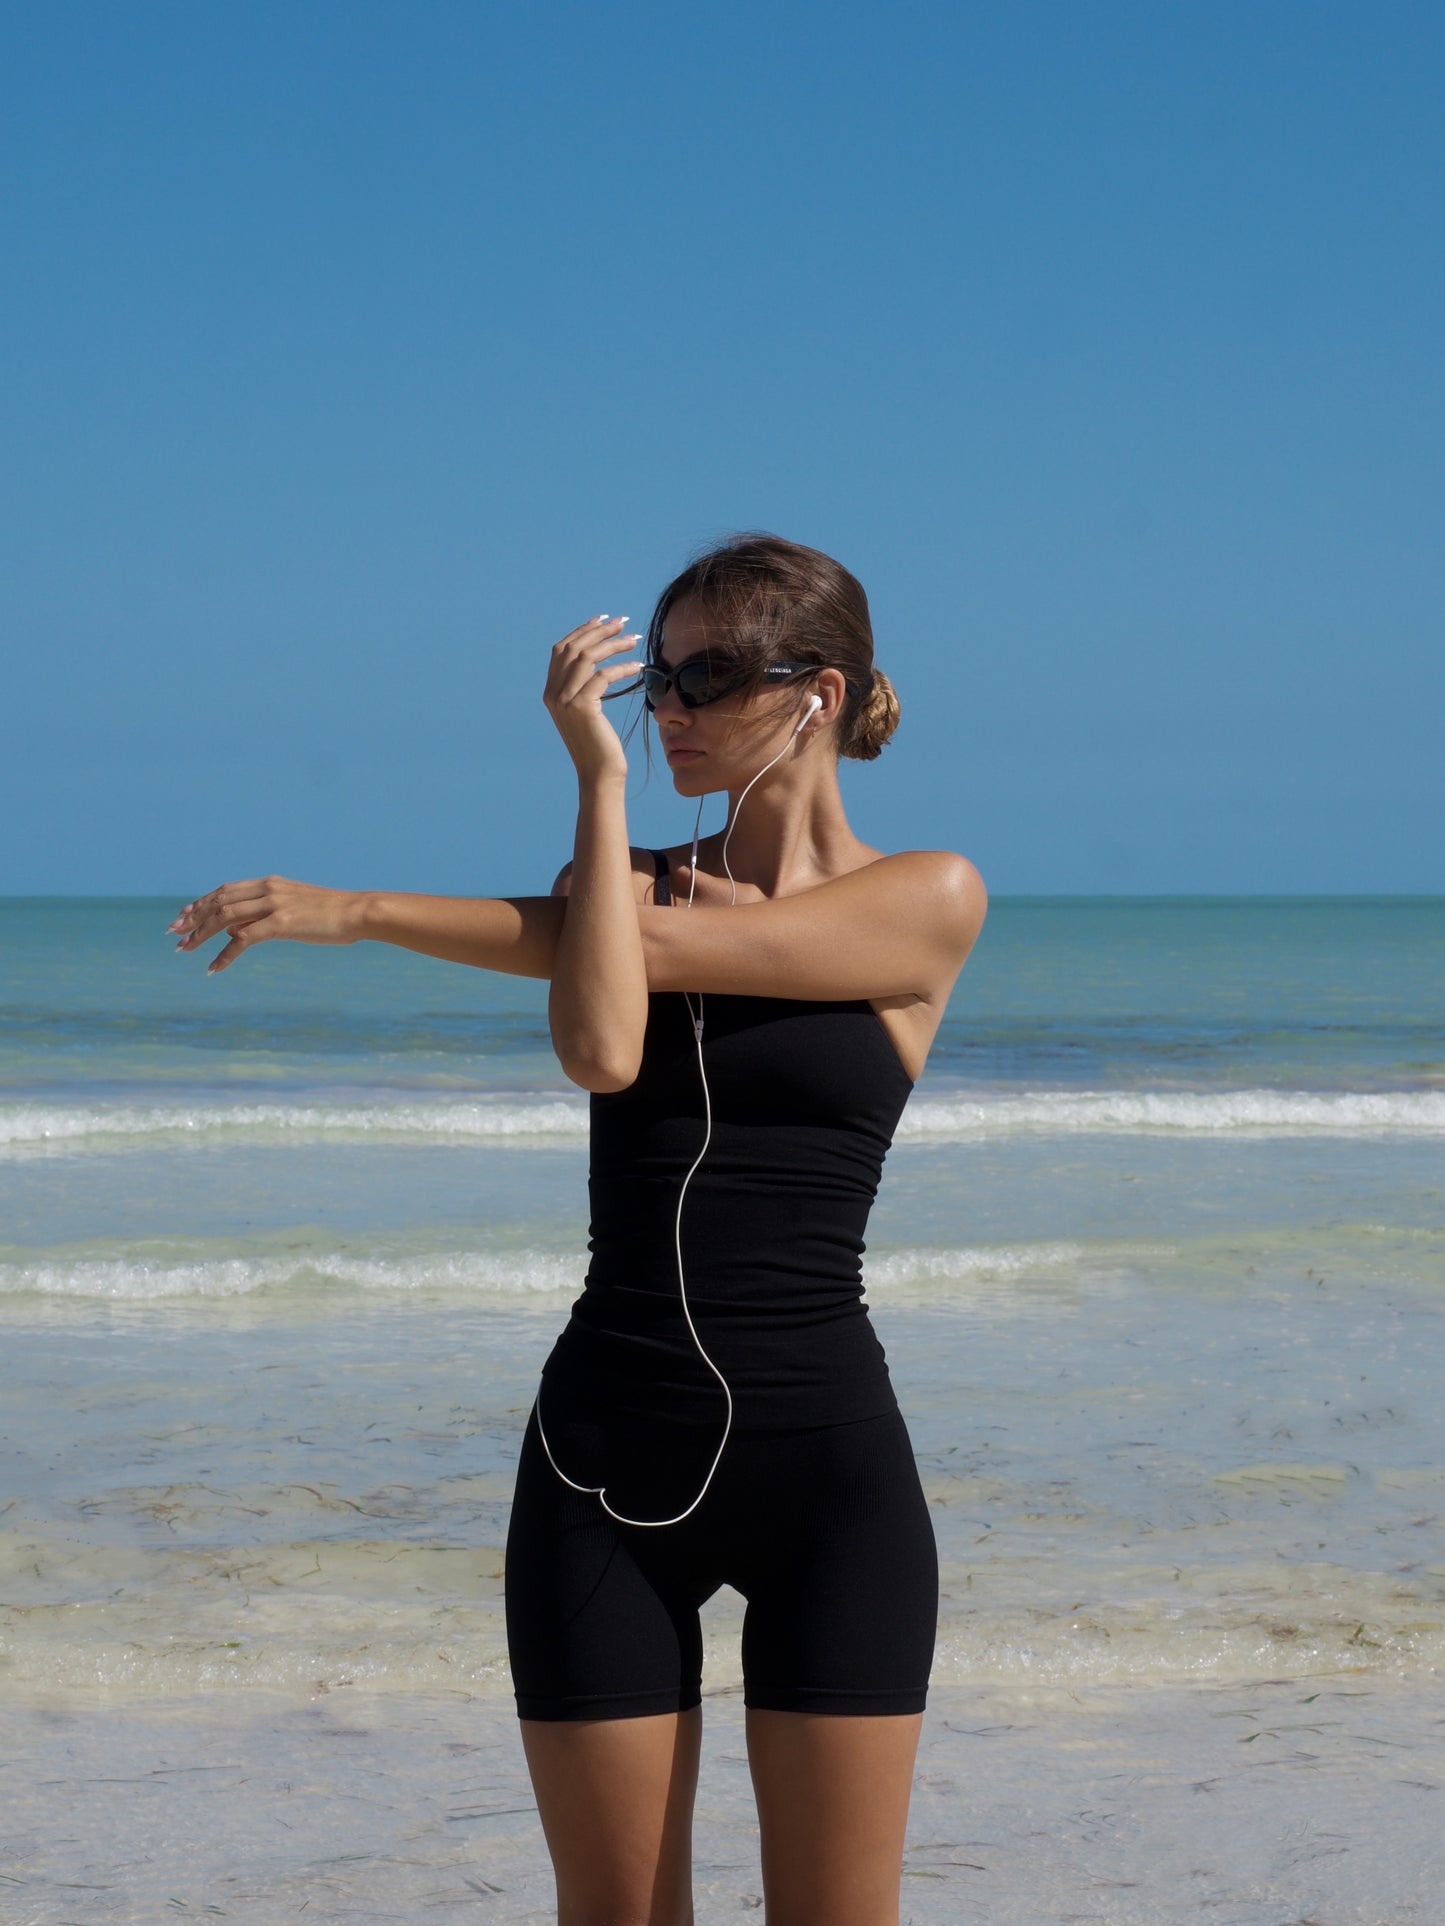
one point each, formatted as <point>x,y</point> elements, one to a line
<point>776,601</point>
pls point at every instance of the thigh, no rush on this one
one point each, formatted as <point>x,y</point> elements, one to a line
<point>602,1622</point>
<point>838,1643</point>
<point>615,1797</point>
<point>841,1575</point>
<point>832,1797</point>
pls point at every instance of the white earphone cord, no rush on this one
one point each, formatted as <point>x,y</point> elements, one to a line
<point>600,1491</point>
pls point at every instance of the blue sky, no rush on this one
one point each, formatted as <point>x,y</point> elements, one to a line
<point>351,353</point>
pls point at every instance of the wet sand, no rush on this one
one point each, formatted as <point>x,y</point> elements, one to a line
<point>1280,1803</point>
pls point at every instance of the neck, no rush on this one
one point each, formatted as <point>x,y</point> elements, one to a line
<point>792,832</point>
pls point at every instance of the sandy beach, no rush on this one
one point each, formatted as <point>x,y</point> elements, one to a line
<point>1287,1800</point>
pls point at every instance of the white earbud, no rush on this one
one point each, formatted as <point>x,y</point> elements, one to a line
<point>815,703</point>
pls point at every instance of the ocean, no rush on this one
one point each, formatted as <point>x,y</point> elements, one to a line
<point>1159,1264</point>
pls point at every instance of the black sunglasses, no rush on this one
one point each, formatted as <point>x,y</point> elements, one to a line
<point>701,680</point>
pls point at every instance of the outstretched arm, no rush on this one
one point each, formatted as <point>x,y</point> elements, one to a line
<point>889,929</point>
<point>516,935</point>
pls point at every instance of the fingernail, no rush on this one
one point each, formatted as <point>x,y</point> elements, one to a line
<point>211,969</point>
<point>604,617</point>
<point>172,927</point>
<point>183,942</point>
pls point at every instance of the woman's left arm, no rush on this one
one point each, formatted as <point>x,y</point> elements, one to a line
<point>597,1007</point>
<point>901,926</point>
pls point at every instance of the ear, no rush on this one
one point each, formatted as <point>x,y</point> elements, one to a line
<point>831,687</point>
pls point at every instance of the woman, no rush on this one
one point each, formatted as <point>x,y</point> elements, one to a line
<point>750,1012</point>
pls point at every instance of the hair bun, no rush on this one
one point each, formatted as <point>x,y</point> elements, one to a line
<point>875,721</point>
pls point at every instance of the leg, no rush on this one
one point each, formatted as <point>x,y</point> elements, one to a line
<point>837,1645</point>
<point>606,1653</point>
<point>832,1805</point>
<point>615,1798</point>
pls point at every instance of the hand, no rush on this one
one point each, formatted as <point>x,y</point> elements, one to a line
<point>264,908</point>
<point>577,680</point>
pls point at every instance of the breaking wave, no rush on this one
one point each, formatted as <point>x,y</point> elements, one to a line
<point>497,1122</point>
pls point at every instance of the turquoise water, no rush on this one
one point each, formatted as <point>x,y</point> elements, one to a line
<point>1158,1261</point>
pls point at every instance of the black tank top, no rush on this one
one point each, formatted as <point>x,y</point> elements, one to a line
<point>805,1100</point>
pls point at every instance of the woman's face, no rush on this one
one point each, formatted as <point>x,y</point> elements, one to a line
<point>722,744</point>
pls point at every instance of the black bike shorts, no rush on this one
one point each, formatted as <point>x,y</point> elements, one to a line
<point>826,1534</point>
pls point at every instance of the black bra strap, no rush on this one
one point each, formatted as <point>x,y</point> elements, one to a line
<point>662,888</point>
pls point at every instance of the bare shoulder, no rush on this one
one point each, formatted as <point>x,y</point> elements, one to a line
<point>933,886</point>
<point>942,869</point>
<point>644,876</point>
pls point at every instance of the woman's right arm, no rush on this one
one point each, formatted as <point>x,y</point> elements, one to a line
<point>516,935</point>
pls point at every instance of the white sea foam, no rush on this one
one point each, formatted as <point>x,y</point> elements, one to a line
<point>137,1279</point>
<point>31,1129</point>
<point>1226,1113</point>
<point>40,1129</point>
<point>983,1263</point>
